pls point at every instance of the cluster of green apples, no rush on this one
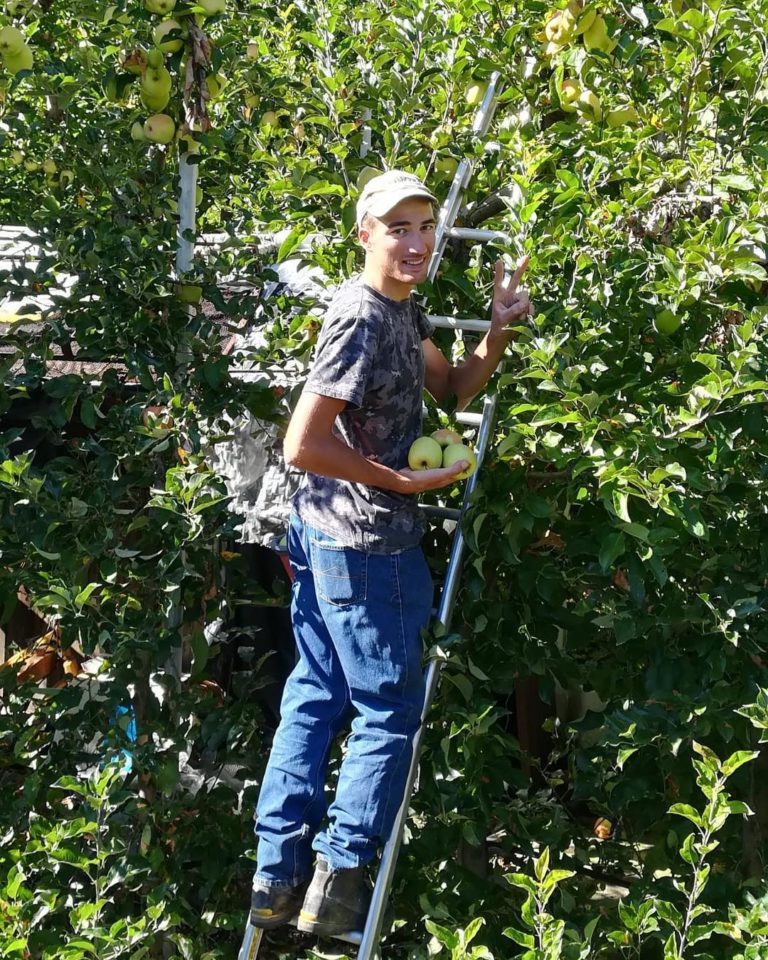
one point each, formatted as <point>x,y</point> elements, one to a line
<point>565,25</point>
<point>155,80</point>
<point>15,51</point>
<point>568,25</point>
<point>442,449</point>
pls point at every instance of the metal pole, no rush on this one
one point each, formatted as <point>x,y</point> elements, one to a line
<point>380,898</point>
<point>185,233</point>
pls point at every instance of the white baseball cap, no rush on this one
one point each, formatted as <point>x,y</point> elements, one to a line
<point>385,191</point>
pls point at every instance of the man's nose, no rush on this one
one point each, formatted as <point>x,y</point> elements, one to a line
<point>419,243</point>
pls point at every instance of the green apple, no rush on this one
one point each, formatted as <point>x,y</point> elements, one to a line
<point>188,292</point>
<point>446,437</point>
<point>49,167</point>
<point>137,131</point>
<point>159,6</point>
<point>446,166</point>
<point>252,100</point>
<point>268,120</point>
<point>561,27</point>
<point>66,176</point>
<point>156,102</point>
<point>666,322</point>
<point>155,58</point>
<point>31,166</point>
<point>17,157</point>
<point>156,80</point>
<point>425,454</point>
<point>12,41</point>
<point>455,452</point>
<point>21,60</point>
<point>569,95</point>
<point>159,128</point>
<point>596,37</point>
<point>475,93</point>
<point>622,115</point>
<point>589,104</point>
<point>167,36</point>
<point>252,51</point>
<point>212,8</point>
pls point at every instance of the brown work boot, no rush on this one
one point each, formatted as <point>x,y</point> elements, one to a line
<point>336,902</point>
<point>274,906</point>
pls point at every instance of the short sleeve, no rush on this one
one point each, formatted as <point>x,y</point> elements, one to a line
<point>345,354</point>
<point>425,328</point>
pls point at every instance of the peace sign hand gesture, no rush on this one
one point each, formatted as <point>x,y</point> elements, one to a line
<point>510,304</point>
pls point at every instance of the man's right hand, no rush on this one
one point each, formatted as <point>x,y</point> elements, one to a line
<point>417,481</point>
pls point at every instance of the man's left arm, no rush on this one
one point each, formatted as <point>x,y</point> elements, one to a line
<point>470,376</point>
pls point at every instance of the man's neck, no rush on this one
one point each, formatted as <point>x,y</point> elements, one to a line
<point>393,289</point>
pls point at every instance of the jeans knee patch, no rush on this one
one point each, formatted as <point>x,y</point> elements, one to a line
<point>340,573</point>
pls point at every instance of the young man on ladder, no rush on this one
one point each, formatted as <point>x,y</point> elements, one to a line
<point>362,589</point>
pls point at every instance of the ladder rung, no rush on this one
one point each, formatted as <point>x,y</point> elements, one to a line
<point>443,513</point>
<point>481,236</point>
<point>354,936</point>
<point>471,325</point>
<point>470,419</point>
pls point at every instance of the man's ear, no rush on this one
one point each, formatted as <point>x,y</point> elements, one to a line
<point>364,236</point>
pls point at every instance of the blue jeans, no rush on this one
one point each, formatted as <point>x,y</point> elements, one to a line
<point>357,618</point>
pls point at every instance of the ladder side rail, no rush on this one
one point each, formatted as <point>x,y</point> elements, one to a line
<point>448,213</point>
<point>372,932</point>
<point>251,942</point>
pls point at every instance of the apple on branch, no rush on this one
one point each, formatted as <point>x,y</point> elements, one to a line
<point>212,8</point>
<point>21,60</point>
<point>12,41</point>
<point>159,128</point>
<point>475,93</point>
<point>159,6</point>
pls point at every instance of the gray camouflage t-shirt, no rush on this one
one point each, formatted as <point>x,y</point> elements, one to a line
<point>369,353</point>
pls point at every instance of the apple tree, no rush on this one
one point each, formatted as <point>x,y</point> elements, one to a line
<point>618,535</point>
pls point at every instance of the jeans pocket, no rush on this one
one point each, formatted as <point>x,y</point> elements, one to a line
<point>340,573</point>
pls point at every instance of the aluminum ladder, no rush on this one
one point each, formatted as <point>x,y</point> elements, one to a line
<point>367,940</point>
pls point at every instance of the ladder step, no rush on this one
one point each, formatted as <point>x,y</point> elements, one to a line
<point>470,419</point>
<point>477,235</point>
<point>442,513</point>
<point>353,936</point>
<point>469,324</point>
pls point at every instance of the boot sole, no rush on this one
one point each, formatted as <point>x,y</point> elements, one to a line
<point>269,923</point>
<point>308,923</point>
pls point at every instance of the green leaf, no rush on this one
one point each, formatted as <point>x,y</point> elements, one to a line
<point>520,938</point>
<point>611,549</point>
<point>738,759</point>
<point>687,811</point>
<point>521,880</point>
<point>541,865</point>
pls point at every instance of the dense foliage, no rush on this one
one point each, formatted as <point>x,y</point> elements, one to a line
<point>618,536</point>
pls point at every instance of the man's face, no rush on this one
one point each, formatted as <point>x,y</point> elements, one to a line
<point>398,246</point>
